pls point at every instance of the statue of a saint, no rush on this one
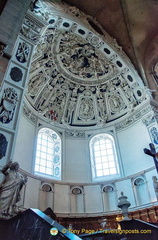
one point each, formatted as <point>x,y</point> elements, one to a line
<point>155,185</point>
<point>10,188</point>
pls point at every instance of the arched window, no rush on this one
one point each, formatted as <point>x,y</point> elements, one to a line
<point>103,157</point>
<point>48,154</point>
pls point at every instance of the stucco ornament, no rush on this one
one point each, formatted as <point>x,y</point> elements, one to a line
<point>7,105</point>
<point>79,77</point>
<point>10,189</point>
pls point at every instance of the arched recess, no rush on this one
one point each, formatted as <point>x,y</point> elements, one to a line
<point>77,199</point>
<point>140,189</point>
<point>109,197</point>
<point>46,196</point>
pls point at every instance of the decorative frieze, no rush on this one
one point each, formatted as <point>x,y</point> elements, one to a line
<point>134,117</point>
<point>32,28</point>
<point>30,115</point>
<point>75,133</point>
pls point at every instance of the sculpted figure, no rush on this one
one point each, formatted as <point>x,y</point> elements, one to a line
<point>155,185</point>
<point>10,188</point>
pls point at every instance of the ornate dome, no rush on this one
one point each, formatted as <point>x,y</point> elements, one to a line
<point>80,77</point>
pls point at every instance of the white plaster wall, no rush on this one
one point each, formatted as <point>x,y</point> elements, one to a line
<point>76,162</point>
<point>61,198</point>
<point>46,199</point>
<point>126,187</point>
<point>141,194</point>
<point>149,180</point>
<point>93,200</point>
<point>132,141</point>
<point>77,203</point>
<point>32,193</point>
<point>24,147</point>
<point>109,201</point>
<point>77,170</point>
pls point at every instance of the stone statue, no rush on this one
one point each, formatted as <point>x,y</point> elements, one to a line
<point>155,184</point>
<point>10,188</point>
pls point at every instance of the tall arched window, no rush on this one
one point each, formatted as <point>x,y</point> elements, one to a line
<point>48,154</point>
<point>103,157</point>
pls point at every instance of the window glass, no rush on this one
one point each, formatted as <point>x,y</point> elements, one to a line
<point>103,156</point>
<point>48,154</point>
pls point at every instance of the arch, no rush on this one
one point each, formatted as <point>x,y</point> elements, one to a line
<point>138,181</point>
<point>104,161</point>
<point>76,190</point>
<point>46,187</point>
<point>108,188</point>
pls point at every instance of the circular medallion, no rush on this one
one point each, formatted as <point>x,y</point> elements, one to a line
<point>16,74</point>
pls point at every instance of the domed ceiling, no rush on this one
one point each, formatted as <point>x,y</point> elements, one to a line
<point>80,77</point>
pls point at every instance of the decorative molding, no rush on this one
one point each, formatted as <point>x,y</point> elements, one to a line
<point>75,133</point>
<point>30,115</point>
<point>137,116</point>
<point>32,28</point>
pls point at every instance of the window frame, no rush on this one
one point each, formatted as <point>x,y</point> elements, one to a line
<point>118,174</point>
<point>45,175</point>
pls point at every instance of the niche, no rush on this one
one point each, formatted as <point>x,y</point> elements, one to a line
<point>77,199</point>
<point>46,196</point>
<point>109,197</point>
<point>140,190</point>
